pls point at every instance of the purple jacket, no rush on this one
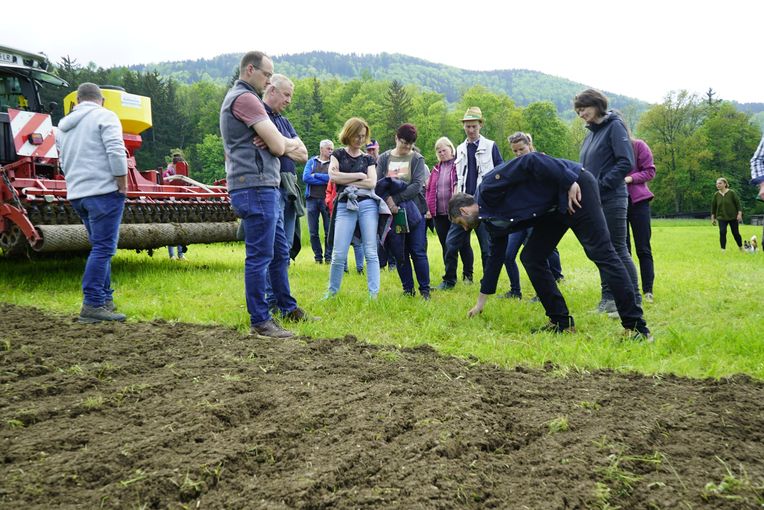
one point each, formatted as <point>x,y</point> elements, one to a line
<point>431,189</point>
<point>643,171</point>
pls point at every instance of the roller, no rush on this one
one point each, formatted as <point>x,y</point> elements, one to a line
<point>137,236</point>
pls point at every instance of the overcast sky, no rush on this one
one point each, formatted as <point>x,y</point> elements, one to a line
<point>641,49</point>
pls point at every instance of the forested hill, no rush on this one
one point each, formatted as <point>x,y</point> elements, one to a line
<point>523,86</point>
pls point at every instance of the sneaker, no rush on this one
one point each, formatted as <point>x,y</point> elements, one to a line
<point>606,306</point>
<point>299,315</point>
<point>511,295</point>
<point>637,335</point>
<point>425,294</point>
<point>359,271</point>
<point>269,329</point>
<point>535,299</point>
<point>649,297</point>
<point>467,280</point>
<point>319,261</point>
<point>445,286</point>
<point>109,305</point>
<point>409,293</point>
<point>173,258</point>
<point>553,327</point>
<point>93,314</point>
<point>614,315</point>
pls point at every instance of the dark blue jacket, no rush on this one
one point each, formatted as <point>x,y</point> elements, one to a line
<point>523,189</point>
<point>607,153</point>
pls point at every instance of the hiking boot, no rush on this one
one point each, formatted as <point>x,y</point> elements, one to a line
<point>93,314</point>
<point>109,305</point>
<point>649,297</point>
<point>606,306</point>
<point>269,329</point>
<point>553,327</point>
<point>299,315</point>
<point>511,295</point>
<point>445,286</point>
<point>639,335</point>
<point>467,280</point>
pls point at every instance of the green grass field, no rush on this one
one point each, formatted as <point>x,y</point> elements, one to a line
<point>705,316</point>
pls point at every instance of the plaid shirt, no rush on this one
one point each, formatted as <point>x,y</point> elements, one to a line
<point>757,164</point>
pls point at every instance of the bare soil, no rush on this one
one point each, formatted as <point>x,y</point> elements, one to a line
<point>170,415</point>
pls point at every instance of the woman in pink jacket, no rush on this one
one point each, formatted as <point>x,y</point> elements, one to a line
<point>638,215</point>
<point>440,186</point>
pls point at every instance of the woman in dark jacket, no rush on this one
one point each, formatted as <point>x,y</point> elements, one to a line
<point>408,171</point>
<point>608,154</point>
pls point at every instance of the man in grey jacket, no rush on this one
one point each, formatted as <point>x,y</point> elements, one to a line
<point>94,162</point>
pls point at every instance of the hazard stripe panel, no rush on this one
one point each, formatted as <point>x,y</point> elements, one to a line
<point>24,124</point>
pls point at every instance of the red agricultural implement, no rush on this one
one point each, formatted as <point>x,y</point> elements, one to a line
<point>34,213</point>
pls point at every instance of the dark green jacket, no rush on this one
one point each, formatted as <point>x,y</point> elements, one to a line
<point>725,207</point>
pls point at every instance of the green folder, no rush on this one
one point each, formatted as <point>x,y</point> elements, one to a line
<point>401,222</point>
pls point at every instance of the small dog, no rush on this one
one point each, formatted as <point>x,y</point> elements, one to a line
<point>754,244</point>
<point>747,246</point>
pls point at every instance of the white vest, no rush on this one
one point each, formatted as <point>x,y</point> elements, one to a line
<point>483,160</point>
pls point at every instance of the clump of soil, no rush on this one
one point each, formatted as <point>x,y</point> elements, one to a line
<point>167,415</point>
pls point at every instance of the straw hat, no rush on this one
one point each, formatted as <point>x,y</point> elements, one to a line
<point>473,113</point>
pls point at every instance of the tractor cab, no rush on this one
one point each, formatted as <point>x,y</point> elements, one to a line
<point>22,75</point>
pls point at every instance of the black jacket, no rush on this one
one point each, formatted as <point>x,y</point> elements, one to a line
<point>523,189</point>
<point>608,154</point>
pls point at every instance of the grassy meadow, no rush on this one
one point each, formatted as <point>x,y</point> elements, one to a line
<point>705,316</point>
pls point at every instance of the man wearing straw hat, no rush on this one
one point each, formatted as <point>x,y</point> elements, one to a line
<point>475,157</point>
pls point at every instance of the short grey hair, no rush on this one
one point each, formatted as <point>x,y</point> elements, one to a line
<point>325,143</point>
<point>279,81</point>
<point>89,92</point>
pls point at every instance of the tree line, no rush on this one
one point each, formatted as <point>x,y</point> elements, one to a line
<point>694,139</point>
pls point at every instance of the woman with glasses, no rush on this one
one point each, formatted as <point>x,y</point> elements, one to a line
<point>522,144</point>
<point>402,174</point>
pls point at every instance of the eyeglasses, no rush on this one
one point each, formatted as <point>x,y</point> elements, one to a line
<point>265,73</point>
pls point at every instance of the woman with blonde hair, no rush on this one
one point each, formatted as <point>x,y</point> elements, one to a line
<point>438,191</point>
<point>355,175</point>
<point>726,208</point>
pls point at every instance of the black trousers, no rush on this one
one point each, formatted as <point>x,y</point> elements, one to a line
<point>589,226</point>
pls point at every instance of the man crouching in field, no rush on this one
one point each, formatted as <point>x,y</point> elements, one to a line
<point>552,195</point>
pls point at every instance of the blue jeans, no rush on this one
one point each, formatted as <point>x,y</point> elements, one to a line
<point>101,215</point>
<point>413,245</point>
<point>367,218</point>
<point>288,216</point>
<point>316,208</point>
<point>615,209</point>
<point>171,251</point>
<point>516,240</point>
<point>456,238</point>
<point>266,248</point>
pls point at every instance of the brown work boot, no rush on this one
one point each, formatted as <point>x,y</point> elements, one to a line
<point>269,329</point>
<point>94,314</point>
<point>299,315</point>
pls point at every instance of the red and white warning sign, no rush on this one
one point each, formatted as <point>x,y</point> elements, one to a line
<point>33,134</point>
